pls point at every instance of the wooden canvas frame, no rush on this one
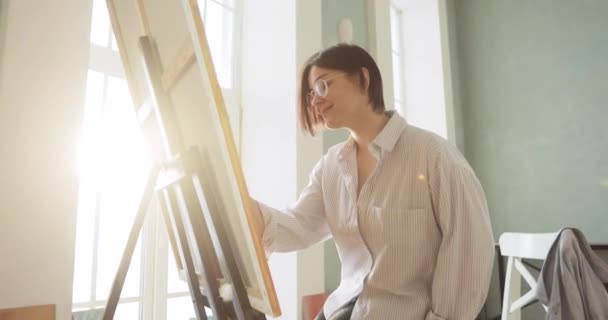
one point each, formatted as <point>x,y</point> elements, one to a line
<point>190,81</point>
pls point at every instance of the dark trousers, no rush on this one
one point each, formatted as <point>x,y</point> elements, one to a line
<point>341,314</point>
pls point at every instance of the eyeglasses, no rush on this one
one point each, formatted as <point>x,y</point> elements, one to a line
<point>320,88</point>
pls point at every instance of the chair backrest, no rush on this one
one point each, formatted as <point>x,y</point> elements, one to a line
<point>518,246</point>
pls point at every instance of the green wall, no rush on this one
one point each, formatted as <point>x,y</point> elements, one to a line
<point>534,98</point>
<point>531,87</point>
<point>333,12</point>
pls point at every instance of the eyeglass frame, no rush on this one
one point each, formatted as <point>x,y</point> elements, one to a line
<point>312,94</point>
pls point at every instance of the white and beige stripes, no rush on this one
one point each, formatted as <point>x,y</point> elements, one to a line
<point>417,242</point>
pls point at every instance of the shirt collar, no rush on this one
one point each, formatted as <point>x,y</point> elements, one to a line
<point>386,139</point>
<point>389,135</point>
<point>348,146</point>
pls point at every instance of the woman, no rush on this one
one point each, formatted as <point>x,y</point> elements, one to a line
<point>406,211</point>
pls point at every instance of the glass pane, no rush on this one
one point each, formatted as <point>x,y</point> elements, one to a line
<point>111,247</point>
<point>127,311</point>
<point>227,3</point>
<point>83,264</point>
<point>174,283</point>
<point>397,77</point>
<point>100,24</point>
<point>395,32</point>
<point>91,132</point>
<point>123,173</point>
<point>114,43</point>
<point>126,156</point>
<point>87,194</point>
<point>218,24</point>
<point>202,8</point>
<point>182,309</point>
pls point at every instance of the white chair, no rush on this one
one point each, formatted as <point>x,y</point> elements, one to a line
<point>518,246</point>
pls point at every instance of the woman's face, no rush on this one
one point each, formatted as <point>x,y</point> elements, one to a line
<point>343,97</point>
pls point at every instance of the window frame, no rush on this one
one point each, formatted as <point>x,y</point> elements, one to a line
<point>399,13</point>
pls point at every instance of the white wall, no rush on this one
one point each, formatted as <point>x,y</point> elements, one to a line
<point>311,262</point>
<point>268,149</point>
<point>276,157</point>
<point>42,92</point>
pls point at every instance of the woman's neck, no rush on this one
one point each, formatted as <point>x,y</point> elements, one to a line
<point>368,128</point>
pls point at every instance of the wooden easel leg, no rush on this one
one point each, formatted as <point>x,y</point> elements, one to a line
<point>192,216</point>
<point>203,180</point>
<point>169,207</point>
<point>123,268</point>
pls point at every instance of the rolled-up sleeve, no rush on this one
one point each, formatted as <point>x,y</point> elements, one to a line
<point>466,254</point>
<point>300,225</point>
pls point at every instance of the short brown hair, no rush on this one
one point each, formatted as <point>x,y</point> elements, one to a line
<point>350,59</point>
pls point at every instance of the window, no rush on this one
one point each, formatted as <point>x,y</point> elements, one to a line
<point>418,66</point>
<point>397,59</point>
<point>111,184</point>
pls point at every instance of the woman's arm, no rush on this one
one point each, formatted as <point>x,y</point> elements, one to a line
<point>299,226</point>
<point>466,254</point>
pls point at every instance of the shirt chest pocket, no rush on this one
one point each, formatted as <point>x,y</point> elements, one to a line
<point>403,193</point>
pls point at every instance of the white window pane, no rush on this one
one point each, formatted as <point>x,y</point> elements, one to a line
<point>100,24</point>
<point>114,43</point>
<point>395,30</point>
<point>91,132</point>
<point>127,311</point>
<point>83,263</point>
<point>397,77</point>
<point>124,169</point>
<point>227,3</point>
<point>182,308</point>
<point>218,24</point>
<point>88,191</point>
<point>174,283</point>
<point>111,247</point>
<point>125,151</point>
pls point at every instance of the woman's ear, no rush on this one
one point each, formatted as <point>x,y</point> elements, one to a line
<point>364,79</point>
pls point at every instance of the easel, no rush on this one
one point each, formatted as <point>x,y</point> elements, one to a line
<point>182,185</point>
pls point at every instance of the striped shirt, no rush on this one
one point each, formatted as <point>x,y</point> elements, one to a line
<point>416,243</point>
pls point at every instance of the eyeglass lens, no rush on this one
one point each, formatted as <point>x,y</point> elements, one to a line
<point>320,88</point>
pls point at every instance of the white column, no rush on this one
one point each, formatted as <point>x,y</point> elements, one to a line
<point>311,262</point>
<point>42,77</point>
<point>276,157</point>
